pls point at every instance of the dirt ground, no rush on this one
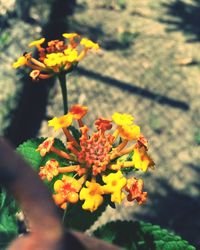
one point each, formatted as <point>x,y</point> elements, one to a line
<point>148,67</point>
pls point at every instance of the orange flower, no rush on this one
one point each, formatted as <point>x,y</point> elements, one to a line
<point>135,187</point>
<point>103,124</point>
<point>78,111</point>
<point>66,191</point>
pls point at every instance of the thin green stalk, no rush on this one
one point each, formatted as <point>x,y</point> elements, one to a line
<point>63,218</point>
<point>63,85</point>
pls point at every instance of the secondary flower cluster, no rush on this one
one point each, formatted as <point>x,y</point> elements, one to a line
<point>98,162</point>
<point>58,56</point>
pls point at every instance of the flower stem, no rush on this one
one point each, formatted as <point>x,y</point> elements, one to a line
<point>63,218</point>
<point>63,85</point>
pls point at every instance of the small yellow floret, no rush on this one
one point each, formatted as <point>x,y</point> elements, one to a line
<point>36,42</point>
<point>141,159</point>
<point>92,195</point>
<point>131,132</point>
<point>122,119</point>
<point>114,184</point>
<point>89,44</point>
<point>61,122</point>
<point>71,55</point>
<point>20,62</point>
<point>70,35</point>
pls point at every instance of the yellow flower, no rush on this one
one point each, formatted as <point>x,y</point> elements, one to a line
<point>114,184</point>
<point>92,195</point>
<point>122,119</point>
<point>55,59</point>
<point>88,44</point>
<point>61,122</point>
<point>36,42</point>
<point>131,132</point>
<point>20,62</point>
<point>141,159</point>
<point>71,55</point>
<point>70,35</point>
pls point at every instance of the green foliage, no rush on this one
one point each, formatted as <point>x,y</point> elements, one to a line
<point>28,151</point>
<point>140,236</point>
<point>8,225</point>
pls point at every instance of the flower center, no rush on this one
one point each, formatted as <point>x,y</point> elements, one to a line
<point>95,152</point>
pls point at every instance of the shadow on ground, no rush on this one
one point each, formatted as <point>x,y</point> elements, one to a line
<point>161,99</point>
<point>184,16</point>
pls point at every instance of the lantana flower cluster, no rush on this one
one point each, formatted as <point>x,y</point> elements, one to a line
<point>98,161</point>
<point>56,56</point>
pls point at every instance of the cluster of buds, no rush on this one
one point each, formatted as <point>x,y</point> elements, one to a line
<point>97,162</point>
<point>57,56</point>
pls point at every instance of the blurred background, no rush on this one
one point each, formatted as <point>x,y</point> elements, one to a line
<point>149,66</point>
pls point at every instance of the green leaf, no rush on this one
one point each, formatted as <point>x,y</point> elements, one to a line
<point>28,151</point>
<point>140,236</point>
<point>8,224</point>
<point>79,219</point>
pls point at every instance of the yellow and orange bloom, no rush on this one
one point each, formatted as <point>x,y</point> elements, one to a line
<point>49,170</point>
<point>57,57</point>
<point>92,194</point>
<point>141,159</point>
<point>131,132</point>
<point>66,190</point>
<point>46,146</point>
<point>97,160</point>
